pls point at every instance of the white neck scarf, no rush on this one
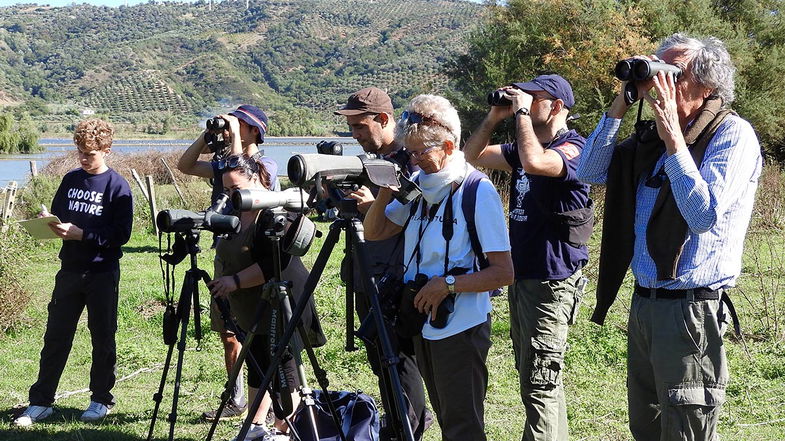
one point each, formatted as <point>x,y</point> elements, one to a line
<point>436,186</point>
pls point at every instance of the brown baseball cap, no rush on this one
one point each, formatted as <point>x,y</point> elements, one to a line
<point>367,100</point>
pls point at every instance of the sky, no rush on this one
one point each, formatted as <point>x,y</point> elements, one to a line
<point>92,2</point>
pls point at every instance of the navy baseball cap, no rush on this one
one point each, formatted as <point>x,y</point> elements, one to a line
<point>253,116</point>
<point>554,84</point>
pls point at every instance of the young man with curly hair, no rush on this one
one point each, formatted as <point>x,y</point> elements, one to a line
<point>95,207</point>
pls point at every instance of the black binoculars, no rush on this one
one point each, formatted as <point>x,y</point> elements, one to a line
<point>498,98</point>
<point>216,124</point>
<point>636,69</point>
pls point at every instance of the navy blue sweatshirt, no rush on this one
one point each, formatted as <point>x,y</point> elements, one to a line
<point>101,205</point>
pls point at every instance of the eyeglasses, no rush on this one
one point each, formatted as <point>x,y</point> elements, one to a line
<point>418,118</point>
<point>417,155</point>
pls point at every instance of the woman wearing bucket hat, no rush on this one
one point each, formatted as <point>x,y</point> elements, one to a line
<point>244,132</point>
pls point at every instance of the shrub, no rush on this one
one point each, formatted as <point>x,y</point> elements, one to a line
<point>13,297</point>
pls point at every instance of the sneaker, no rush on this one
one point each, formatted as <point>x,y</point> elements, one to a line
<point>257,432</point>
<point>95,411</point>
<point>31,415</point>
<point>276,435</point>
<point>229,412</point>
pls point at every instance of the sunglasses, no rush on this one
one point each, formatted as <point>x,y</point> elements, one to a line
<point>234,162</point>
<point>658,179</point>
<point>418,118</point>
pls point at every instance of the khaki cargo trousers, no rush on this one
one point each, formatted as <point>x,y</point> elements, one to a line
<point>541,312</point>
<point>676,368</point>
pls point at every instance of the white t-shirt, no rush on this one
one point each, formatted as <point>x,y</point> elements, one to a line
<point>471,308</point>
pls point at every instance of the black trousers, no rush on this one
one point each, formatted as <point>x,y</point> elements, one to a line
<point>73,291</point>
<point>411,381</point>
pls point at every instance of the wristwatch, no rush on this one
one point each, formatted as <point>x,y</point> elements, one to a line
<point>522,111</point>
<point>450,280</point>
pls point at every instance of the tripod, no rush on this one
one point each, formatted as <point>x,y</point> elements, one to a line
<point>396,404</point>
<point>276,293</point>
<point>189,293</point>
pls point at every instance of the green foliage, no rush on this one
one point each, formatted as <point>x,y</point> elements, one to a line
<point>14,296</point>
<point>296,59</point>
<point>18,136</point>
<point>525,38</point>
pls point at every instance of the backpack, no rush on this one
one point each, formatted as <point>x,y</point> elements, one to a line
<point>358,412</point>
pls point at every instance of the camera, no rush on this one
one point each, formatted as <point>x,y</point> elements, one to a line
<point>216,124</point>
<point>410,320</point>
<point>636,69</point>
<point>390,287</point>
<point>498,98</point>
<point>329,148</point>
<point>183,221</point>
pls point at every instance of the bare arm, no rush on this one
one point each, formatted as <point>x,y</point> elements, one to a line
<point>249,277</point>
<point>535,159</point>
<point>376,224</point>
<point>190,164</point>
<point>499,273</point>
<point>478,152</point>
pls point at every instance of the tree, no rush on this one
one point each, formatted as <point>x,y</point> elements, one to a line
<point>583,39</point>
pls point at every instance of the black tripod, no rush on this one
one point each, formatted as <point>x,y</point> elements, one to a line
<point>276,293</point>
<point>189,294</point>
<point>394,404</point>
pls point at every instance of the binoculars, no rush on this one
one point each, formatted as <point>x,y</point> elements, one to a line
<point>635,69</point>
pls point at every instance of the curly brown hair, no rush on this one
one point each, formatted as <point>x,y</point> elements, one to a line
<point>93,134</point>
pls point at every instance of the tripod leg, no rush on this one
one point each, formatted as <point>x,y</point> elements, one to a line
<point>183,311</point>
<point>308,289</point>
<point>158,396</point>
<point>389,358</point>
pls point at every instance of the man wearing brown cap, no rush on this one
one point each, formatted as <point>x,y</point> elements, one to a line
<point>369,113</point>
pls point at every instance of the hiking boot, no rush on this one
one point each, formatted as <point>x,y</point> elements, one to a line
<point>95,411</point>
<point>229,412</point>
<point>31,415</point>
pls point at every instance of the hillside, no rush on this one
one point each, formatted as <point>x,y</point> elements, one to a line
<point>161,66</point>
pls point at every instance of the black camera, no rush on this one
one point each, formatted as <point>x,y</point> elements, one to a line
<point>636,69</point>
<point>183,221</point>
<point>216,124</point>
<point>498,98</point>
<point>410,320</point>
<point>329,148</point>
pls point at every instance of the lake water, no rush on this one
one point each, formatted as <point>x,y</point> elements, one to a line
<point>17,167</point>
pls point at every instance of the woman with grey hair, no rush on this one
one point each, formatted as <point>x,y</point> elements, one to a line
<point>453,302</point>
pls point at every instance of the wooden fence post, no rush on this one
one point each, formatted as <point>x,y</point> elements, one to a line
<point>140,184</point>
<point>8,205</point>
<point>174,181</point>
<point>33,169</point>
<point>153,208</point>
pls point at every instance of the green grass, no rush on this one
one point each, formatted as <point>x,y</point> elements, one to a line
<point>595,371</point>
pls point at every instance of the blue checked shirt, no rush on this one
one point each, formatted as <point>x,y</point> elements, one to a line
<point>715,200</point>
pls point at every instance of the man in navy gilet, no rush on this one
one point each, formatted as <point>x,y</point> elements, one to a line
<point>547,253</point>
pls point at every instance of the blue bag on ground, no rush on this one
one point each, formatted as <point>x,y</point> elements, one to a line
<point>359,417</point>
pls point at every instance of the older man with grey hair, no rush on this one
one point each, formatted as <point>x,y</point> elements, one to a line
<point>679,199</point>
